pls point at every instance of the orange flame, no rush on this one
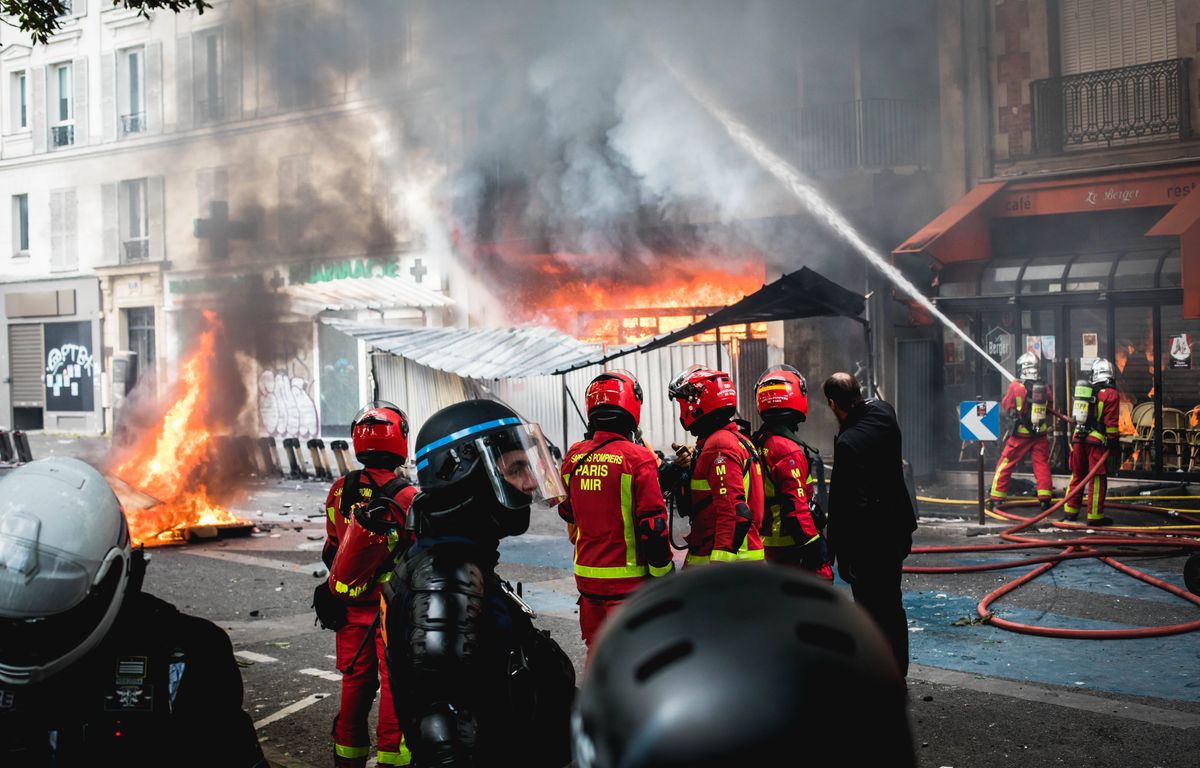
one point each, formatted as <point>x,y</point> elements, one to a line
<point>617,310</point>
<point>170,463</point>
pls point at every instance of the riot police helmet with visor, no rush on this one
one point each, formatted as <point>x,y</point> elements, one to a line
<point>464,440</point>
<point>66,564</point>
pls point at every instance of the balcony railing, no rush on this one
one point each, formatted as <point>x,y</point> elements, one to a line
<point>865,134</point>
<point>137,250</point>
<point>133,123</point>
<point>62,135</point>
<point>1112,107</point>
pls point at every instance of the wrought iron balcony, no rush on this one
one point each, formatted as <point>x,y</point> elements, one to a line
<point>1112,107</point>
<point>62,135</point>
<point>133,123</point>
<point>137,250</point>
<point>864,134</point>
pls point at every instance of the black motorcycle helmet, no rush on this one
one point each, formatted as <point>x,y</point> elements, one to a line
<point>738,665</point>
<point>479,456</point>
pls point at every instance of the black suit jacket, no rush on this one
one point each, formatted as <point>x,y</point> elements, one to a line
<point>870,513</point>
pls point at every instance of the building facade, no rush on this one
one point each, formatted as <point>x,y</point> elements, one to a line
<point>234,160</point>
<point>1069,218</point>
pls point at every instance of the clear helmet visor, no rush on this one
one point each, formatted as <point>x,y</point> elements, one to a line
<point>520,467</point>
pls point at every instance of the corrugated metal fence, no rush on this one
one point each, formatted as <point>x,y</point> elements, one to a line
<point>421,391</point>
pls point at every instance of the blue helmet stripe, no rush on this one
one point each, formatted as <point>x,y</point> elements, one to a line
<point>460,434</point>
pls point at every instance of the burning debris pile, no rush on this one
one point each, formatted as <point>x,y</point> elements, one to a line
<point>163,479</point>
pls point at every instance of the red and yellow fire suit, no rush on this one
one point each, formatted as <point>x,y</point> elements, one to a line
<point>351,739</point>
<point>790,535</point>
<point>1089,446</point>
<point>618,522</point>
<point>1024,441</point>
<point>726,499</point>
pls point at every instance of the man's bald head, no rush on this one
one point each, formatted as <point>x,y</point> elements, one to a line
<point>842,388</point>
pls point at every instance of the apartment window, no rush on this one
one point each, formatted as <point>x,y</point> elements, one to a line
<point>132,91</point>
<point>68,9</point>
<point>20,94</point>
<point>207,48</point>
<point>20,207</point>
<point>135,222</point>
<point>62,128</point>
<point>1106,34</point>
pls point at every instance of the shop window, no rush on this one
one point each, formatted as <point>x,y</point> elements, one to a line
<point>1090,273</point>
<point>1088,340</point>
<point>1181,391</point>
<point>1001,278</point>
<point>1133,360</point>
<point>1169,276</point>
<point>959,279</point>
<point>1043,277</point>
<point>1136,270</point>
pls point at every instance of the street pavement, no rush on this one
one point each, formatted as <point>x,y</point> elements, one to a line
<point>980,696</point>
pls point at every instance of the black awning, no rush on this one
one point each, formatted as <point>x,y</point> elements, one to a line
<point>796,295</point>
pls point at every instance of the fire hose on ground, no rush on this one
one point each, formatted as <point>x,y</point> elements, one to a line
<point>1161,541</point>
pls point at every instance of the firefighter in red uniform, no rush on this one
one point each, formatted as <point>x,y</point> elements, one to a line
<point>614,508</point>
<point>1028,400</point>
<point>792,517</point>
<point>380,437</point>
<point>725,496</point>
<point>1095,409</point>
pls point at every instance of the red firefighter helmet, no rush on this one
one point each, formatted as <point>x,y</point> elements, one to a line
<point>701,392</point>
<point>614,391</point>
<point>782,391</point>
<point>380,435</point>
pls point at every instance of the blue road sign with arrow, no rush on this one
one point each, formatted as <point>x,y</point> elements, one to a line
<point>979,420</point>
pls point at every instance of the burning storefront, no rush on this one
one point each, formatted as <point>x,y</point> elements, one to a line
<point>1072,268</point>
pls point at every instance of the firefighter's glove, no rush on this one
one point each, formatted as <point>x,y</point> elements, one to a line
<point>683,453</point>
<point>742,526</point>
<point>653,541</point>
<point>818,515</point>
<point>331,612</point>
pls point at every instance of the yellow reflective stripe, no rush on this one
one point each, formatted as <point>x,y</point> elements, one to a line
<point>996,493</point>
<point>403,757</point>
<point>661,570</point>
<point>752,554</point>
<point>609,571</point>
<point>814,538</point>
<point>344,751</point>
<point>778,541</point>
<point>627,519</point>
<point>721,556</point>
<point>1047,494</point>
<point>331,511</point>
<point>696,560</point>
<point>385,576</point>
<point>700,485</point>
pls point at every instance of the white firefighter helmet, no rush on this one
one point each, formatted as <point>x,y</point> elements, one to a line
<point>1027,366</point>
<point>64,566</point>
<point>1102,370</point>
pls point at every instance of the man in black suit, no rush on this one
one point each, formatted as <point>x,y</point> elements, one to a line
<point>871,517</point>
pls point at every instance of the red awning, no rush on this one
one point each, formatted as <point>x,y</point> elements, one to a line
<point>960,233</point>
<point>1183,221</point>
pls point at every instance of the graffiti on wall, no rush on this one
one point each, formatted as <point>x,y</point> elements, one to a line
<point>69,366</point>
<point>286,407</point>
